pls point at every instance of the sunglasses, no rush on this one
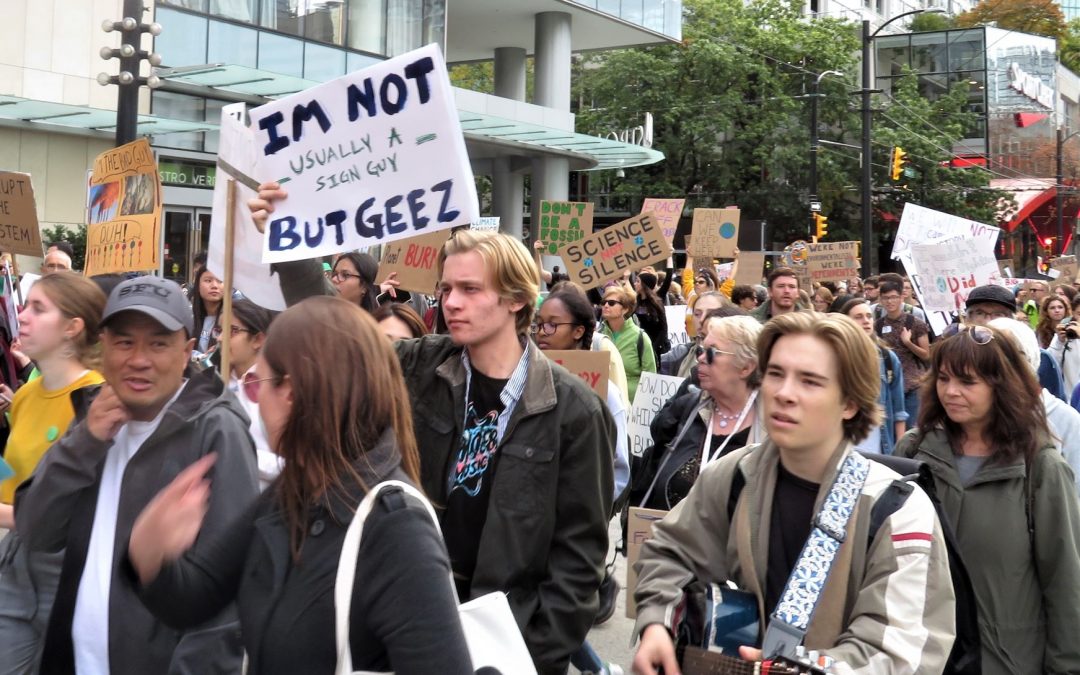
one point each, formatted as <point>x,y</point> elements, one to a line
<point>233,330</point>
<point>980,334</point>
<point>612,303</point>
<point>710,353</point>
<point>251,384</point>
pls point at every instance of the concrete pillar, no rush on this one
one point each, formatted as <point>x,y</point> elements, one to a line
<point>507,187</point>
<point>510,73</point>
<point>551,176</point>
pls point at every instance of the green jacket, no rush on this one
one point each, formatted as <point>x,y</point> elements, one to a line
<point>1027,592</point>
<point>627,342</point>
<point>763,312</point>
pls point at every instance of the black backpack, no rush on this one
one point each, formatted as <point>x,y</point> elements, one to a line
<point>966,655</point>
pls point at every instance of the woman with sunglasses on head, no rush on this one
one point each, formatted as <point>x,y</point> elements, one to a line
<point>1009,496</point>
<point>882,439</point>
<point>700,426</point>
<point>340,435</point>
<point>247,335</point>
<point>634,344</point>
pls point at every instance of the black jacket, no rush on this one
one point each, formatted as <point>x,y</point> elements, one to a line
<point>544,542</point>
<point>404,615</point>
<point>55,508</point>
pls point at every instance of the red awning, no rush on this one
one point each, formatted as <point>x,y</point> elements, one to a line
<point>1030,195</point>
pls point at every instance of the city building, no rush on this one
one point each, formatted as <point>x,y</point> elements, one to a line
<point>877,12</point>
<point>55,118</point>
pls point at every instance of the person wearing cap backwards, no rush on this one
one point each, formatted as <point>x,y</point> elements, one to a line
<point>989,302</point>
<point>131,437</point>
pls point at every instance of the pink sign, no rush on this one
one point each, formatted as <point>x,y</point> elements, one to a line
<point>667,213</point>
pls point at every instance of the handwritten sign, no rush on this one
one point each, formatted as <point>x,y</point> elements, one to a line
<point>639,522</point>
<point>751,268</point>
<point>833,260</point>
<point>667,212</point>
<point>368,158</point>
<point>631,244</point>
<point>715,233</point>
<point>486,223</point>
<point>919,224</point>
<point>949,270</point>
<point>592,367</point>
<point>236,161</point>
<point>19,231</point>
<point>124,232</point>
<point>676,324</point>
<point>414,261</point>
<point>652,393</point>
<point>1062,270</point>
<point>564,222</point>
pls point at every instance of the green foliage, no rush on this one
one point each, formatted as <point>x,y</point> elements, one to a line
<point>1069,47</point>
<point>1025,16</point>
<point>926,130</point>
<point>76,236</point>
<point>928,22</point>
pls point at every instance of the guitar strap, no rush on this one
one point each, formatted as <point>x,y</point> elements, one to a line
<point>791,618</point>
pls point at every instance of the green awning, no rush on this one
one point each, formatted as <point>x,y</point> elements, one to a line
<point>32,112</point>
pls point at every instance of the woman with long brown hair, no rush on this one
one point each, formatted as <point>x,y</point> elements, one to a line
<point>339,435</point>
<point>1009,496</point>
<point>1054,308</point>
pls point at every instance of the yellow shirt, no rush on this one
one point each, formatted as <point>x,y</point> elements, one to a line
<point>38,418</point>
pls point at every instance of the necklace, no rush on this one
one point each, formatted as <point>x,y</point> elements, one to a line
<point>724,419</point>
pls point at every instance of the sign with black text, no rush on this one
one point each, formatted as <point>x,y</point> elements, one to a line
<point>629,245</point>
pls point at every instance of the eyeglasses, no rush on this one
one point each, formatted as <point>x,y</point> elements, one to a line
<point>980,315</point>
<point>612,303</point>
<point>252,384</point>
<point>891,297</point>
<point>710,353</point>
<point>980,334</point>
<point>549,327</point>
<point>342,276</point>
<point>233,330</point>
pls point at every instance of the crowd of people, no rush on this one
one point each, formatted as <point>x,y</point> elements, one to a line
<point>165,516</point>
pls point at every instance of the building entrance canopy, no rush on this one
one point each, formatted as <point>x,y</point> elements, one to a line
<point>31,114</point>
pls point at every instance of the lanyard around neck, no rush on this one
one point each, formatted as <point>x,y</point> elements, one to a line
<point>705,457</point>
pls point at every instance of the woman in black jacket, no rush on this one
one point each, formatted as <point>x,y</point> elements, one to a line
<point>339,435</point>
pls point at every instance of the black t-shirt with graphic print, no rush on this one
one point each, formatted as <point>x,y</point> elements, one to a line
<point>471,473</point>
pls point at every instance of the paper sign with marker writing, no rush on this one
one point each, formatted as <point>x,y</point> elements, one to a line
<point>414,259</point>
<point>19,231</point>
<point>592,367</point>
<point>751,268</point>
<point>919,224</point>
<point>629,245</point>
<point>676,324</point>
<point>368,158</point>
<point>715,233</point>
<point>1065,267</point>
<point>667,213</point>
<point>653,392</point>
<point>236,161</point>
<point>833,260</point>
<point>562,223</point>
<point>124,232</point>
<point>486,223</point>
<point>950,269</point>
<point>639,524</point>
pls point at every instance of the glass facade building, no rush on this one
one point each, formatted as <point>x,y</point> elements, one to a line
<point>661,16</point>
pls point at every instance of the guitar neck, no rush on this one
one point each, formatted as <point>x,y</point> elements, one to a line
<point>696,661</point>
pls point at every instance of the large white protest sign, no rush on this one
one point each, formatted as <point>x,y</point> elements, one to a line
<point>949,269</point>
<point>676,324</point>
<point>236,161</point>
<point>371,157</point>
<point>652,393</point>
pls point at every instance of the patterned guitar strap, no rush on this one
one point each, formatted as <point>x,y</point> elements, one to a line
<point>790,620</point>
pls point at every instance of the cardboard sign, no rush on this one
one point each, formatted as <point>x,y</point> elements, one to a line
<point>486,223</point>
<point>236,161</point>
<point>715,233</point>
<point>751,268</point>
<point>919,224</point>
<point>833,260</point>
<point>629,245</point>
<point>414,259</point>
<point>1006,267</point>
<point>1062,271</point>
<point>667,213</point>
<point>676,324</point>
<point>19,231</point>
<point>592,367</point>
<point>639,524</point>
<point>653,392</point>
<point>124,233</point>
<point>562,223</point>
<point>950,269</point>
<point>369,158</point>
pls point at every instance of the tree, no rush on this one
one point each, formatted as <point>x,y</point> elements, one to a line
<point>76,236</point>
<point>929,22</point>
<point>1040,17</point>
<point>1069,47</point>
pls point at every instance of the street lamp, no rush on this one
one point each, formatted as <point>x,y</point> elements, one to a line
<point>867,176</point>
<point>128,80</point>
<point>815,146</point>
<point>1060,185</point>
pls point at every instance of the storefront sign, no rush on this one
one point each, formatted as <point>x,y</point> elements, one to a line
<point>1030,86</point>
<point>186,174</point>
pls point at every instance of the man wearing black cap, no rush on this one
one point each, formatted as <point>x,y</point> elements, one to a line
<point>151,419</point>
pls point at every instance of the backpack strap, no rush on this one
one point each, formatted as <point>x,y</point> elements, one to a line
<point>640,346</point>
<point>886,359</point>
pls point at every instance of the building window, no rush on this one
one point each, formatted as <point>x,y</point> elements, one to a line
<point>183,39</point>
<point>367,30</point>
<point>280,15</point>
<point>237,10</point>
<point>232,44</point>
<point>323,21</point>
<point>179,107</point>
<point>194,5</point>
<point>280,54</point>
<point>323,63</point>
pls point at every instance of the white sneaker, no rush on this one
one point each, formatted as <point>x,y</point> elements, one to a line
<point>612,669</point>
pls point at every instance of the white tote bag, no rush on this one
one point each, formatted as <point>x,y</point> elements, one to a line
<point>490,630</point>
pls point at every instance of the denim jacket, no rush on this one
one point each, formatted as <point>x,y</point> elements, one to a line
<point>892,400</point>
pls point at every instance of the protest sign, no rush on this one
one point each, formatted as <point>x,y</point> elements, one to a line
<point>592,367</point>
<point>653,392</point>
<point>919,224</point>
<point>676,324</point>
<point>19,231</point>
<point>639,522</point>
<point>1062,270</point>
<point>833,260</point>
<point>124,232</point>
<point>667,212</point>
<point>486,223</point>
<point>723,272</point>
<point>236,161</point>
<point>414,260</point>
<point>751,268</point>
<point>629,245</point>
<point>949,269</point>
<point>371,157</point>
<point>1006,267</point>
<point>715,233</point>
<point>564,222</point>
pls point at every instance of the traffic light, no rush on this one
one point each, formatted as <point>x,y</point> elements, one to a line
<point>899,159</point>
<point>821,224</point>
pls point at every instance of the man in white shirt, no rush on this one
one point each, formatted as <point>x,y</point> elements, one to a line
<point>152,418</point>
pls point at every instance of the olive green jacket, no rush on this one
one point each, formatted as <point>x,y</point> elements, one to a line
<point>1027,587</point>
